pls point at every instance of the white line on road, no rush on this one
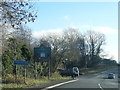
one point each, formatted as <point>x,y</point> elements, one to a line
<point>60,84</point>
<point>100,86</point>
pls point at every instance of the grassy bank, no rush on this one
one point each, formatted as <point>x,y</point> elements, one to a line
<point>96,69</point>
<point>34,82</point>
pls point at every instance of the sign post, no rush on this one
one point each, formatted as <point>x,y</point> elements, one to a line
<point>25,75</point>
<point>43,54</point>
<point>22,63</point>
<point>49,70</point>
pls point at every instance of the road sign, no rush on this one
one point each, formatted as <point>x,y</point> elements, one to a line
<point>21,62</point>
<point>42,53</point>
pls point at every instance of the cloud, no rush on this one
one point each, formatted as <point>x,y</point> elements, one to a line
<point>113,55</point>
<point>82,28</point>
<point>105,30</point>
<point>102,29</point>
<point>66,17</point>
<point>42,33</point>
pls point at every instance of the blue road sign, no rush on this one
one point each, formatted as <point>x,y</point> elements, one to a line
<point>21,62</point>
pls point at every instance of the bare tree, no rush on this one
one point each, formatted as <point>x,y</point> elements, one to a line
<point>15,13</point>
<point>23,35</point>
<point>72,53</point>
<point>58,50</point>
<point>95,42</point>
<point>74,49</point>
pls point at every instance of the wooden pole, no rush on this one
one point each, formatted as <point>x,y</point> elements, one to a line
<point>25,75</point>
<point>49,69</point>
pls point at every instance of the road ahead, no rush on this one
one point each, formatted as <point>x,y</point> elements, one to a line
<point>98,80</point>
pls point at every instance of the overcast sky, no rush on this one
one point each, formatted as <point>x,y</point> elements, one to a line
<point>98,16</point>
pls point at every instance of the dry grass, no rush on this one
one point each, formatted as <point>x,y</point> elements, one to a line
<point>33,82</point>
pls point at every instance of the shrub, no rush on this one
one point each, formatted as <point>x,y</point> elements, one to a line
<point>56,76</point>
<point>10,78</point>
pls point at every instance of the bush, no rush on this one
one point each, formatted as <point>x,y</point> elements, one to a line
<point>56,76</point>
<point>10,78</point>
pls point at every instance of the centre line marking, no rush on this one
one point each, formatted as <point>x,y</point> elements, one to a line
<point>100,86</point>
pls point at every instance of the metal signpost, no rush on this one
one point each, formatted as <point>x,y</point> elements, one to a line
<point>22,63</point>
<point>43,54</point>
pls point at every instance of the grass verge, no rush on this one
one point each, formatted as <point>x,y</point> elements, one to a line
<point>96,70</point>
<point>35,82</point>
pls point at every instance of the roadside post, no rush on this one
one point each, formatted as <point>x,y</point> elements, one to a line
<point>49,70</point>
<point>25,75</point>
<point>43,54</point>
<point>22,63</point>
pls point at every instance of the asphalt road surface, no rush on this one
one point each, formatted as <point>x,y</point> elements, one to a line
<point>98,80</point>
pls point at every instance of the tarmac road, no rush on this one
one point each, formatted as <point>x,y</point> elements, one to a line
<point>98,81</point>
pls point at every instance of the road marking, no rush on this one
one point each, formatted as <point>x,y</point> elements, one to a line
<point>100,86</point>
<point>60,84</point>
